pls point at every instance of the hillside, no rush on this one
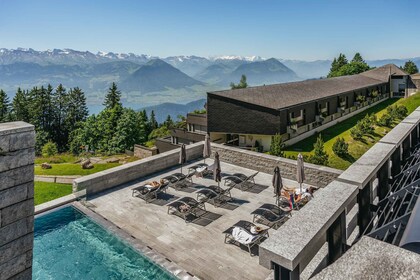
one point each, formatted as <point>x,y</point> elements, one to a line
<point>157,75</point>
<point>270,71</point>
<point>173,109</point>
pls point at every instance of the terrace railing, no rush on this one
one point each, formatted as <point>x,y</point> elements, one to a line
<point>342,211</point>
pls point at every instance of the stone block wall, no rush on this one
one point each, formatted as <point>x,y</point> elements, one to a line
<point>17,154</point>
<point>144,152</point>
<point>134,170</point>
<point>315,174</point>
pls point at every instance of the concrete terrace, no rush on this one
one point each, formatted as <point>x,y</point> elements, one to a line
<point>198,247</point>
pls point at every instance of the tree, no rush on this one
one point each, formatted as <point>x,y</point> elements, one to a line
<point>126,133</point>
<point>60,105</point>
<point>168,122</point>
<point>341,67</point>
<point>77,112</point>
<point>20,106</point>
<point>4,107</point>
<point>277,146</point>
<point>159,133</point>
<point>340,147</point>
<point>242,83</point>
<point>357,58</point>
<point>49,149</point>
<point>319,156</point>
<point>410,67</point>
<point>153,123</point>
<point>113,97</point>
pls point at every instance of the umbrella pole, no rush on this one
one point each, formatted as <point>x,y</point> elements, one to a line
<point>300,187</point>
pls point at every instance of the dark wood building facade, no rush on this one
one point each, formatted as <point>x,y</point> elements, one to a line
<point>295,110</point>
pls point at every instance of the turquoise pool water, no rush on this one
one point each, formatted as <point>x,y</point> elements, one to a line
<point>69,245</point>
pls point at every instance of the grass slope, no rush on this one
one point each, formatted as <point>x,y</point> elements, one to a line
<point>72,169</point>
<point>48,191</point>
<point>342,129</point>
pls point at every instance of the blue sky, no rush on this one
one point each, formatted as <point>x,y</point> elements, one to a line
<point>289,29</point>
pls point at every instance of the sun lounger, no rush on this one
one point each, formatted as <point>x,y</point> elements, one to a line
<point>185,206</point>
<point>240,180</point>
<point>271,215</point>
<point>148,192</point>
<point>242,233</point>
<point>199,169</point>
<point>178,180</point>
<point>213,193</point>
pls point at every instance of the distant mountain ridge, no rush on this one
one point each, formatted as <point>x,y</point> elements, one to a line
<point>148,80</point>
<point>157,75</point>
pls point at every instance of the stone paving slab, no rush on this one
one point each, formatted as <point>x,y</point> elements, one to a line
<point>198,249</point>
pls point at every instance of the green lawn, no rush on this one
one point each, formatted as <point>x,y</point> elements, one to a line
<point>73,169</point>
<point>48,191</point>
<point>342,129</point>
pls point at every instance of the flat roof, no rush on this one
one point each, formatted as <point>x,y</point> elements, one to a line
<point>281,96</point>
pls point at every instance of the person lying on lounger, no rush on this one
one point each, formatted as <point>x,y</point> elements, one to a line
<point>152,186</point>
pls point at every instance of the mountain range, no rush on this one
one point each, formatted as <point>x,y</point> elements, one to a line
<point>147,80</point>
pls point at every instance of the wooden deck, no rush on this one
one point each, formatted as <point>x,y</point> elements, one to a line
<point>197,246</point>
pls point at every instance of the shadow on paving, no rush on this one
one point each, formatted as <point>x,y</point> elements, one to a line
<point>252,188</point>
<point>229,204</point>
<point>203,218</point>
<point>188,187</point>
<point>164,198</point>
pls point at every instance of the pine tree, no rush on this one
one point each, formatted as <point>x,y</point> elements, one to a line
<point>319,156</point>
<point>341,60</point>
<point>77,110</point>
<point>242,83</point>
<point>153,123</point>
<point>60,105</point>
<point>358,58</point>
<point>168,122</point>
<point>4,107</point>
<point>20,106</point>
<point>113,97</point>
<point>143,126</point>
<point>410,67</point>
<point>277,146</point>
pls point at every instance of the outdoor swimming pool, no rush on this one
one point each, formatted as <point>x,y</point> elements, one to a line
<point>69,245</point>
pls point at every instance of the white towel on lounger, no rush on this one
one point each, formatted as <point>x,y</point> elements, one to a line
<point>242,236</point>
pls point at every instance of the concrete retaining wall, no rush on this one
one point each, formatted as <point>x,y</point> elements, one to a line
<point>315,174</point>
<point>144,152</point>
<point>17,154</point>
<point>128,172</point>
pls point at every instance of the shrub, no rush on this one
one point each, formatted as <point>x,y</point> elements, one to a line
<point>356,133</point>
<point>277,146</point>
<point>385,120</point>
<point>402,111</point>
<point>373,119</point>
<point>320,156</point>
<point>397,112</point>
<point>340,147</point>
<point>49,149</point>
<point>365,125</point>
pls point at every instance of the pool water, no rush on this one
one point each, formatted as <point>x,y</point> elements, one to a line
<point>69,245</point>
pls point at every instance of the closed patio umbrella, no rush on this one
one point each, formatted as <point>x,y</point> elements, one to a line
<point>277,182</point>
<point>217,172</point>
<point>207,148</point>
<point>182,156</point>
<point>300,176</point>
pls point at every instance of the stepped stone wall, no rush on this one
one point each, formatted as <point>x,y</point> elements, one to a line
<point>17,154</point>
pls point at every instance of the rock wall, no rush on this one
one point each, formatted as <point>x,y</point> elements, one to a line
<point>134,170</point>
<point>17,154</point>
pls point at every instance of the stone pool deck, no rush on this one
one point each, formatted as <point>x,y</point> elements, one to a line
<point>198,246</point>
